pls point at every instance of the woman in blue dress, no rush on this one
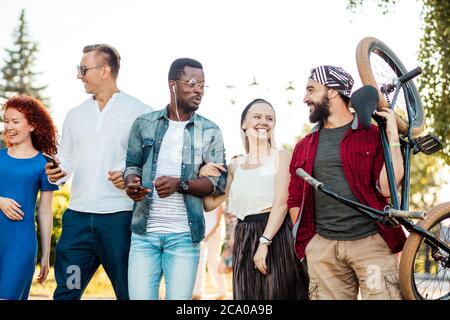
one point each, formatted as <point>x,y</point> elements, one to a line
<point>28,132</point>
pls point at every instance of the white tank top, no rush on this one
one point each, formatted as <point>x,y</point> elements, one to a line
<point>252,190</point>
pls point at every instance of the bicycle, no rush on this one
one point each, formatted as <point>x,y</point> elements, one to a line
<point>424,271</point>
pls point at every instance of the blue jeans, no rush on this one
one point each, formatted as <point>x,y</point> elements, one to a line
<point>88,240</point>
<point>155,254</point>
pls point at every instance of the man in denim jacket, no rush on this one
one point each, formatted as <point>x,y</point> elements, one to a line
<point>165,151</point>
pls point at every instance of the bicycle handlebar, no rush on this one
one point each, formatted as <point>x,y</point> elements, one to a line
<point>313,182</point>
<point>405,214</point>
<point>409,75</point>
<point>390,87</point>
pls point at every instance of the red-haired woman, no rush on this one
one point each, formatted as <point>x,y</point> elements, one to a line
<point>28,132</point>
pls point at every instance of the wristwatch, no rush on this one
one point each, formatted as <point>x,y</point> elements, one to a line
<point>183,187</point>
<point>264,240</point>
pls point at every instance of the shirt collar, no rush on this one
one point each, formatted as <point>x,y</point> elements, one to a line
<point>114,96</point>
<point>111,101</point>
<point>164,113</point>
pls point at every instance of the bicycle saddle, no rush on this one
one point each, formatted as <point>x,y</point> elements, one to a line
<point>364,101</point>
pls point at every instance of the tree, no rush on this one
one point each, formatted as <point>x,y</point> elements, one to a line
<point>307,127</point>
<point>17,75</point>
<point>434,55</point>
<point>434,84</point>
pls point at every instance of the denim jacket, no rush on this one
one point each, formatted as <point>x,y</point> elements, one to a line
<point>202,143</point>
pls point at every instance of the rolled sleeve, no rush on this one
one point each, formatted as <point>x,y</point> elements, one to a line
<point>132,170</point>
<point>134,159</point>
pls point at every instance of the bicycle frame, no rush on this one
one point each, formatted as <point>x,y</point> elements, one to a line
<point>407,145</point>
<point>383,217</point>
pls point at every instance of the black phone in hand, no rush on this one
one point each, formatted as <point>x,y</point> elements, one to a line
<point>51,160</point>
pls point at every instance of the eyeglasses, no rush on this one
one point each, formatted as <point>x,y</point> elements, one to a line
<point>83,69</point>
<point>193,83</point>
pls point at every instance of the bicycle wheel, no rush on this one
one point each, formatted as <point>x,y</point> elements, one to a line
<point>378,65</point>
<point>424,271</point>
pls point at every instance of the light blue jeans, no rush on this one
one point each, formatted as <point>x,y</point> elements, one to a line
<point>156,254</point>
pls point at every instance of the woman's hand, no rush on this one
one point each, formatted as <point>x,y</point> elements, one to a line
<point>45,269</point>
<point>211,170</point>
<point>260,258</point>
<point>11,209</point>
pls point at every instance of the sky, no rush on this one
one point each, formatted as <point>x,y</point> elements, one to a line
<point>274,42</point>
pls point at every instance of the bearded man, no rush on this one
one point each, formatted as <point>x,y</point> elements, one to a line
<point>345,250</point>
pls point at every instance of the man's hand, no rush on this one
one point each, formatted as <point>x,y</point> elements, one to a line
<point>116,177</point>
<point>135,190</point>
<point>11,209</point>
<point>54,174</point>
<point>391,124</point>
<point>165,186</point>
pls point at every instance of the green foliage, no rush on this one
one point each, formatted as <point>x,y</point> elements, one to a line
<point>17,75</point>
<point>385,5</point>
<point>434,56</point>
<point>425,181</point>
<point>307,127</point>
<point>434,83</point>
<point>60,204</point>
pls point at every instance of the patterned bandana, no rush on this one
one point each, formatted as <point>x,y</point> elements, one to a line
<point>334,78</point>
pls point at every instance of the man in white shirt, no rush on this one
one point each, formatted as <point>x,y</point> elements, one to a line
<point>96,226</point>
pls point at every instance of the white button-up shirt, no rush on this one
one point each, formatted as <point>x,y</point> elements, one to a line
<point>93,143</point>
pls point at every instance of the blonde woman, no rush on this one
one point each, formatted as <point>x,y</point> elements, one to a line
<point>264,263</point>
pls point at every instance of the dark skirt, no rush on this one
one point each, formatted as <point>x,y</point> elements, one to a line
<point>286,279</point>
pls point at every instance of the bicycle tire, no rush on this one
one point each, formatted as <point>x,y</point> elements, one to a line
<point>411,263</point>
<point>368,46</point>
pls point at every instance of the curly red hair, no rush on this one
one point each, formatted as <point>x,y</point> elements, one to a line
<point>45,135</point>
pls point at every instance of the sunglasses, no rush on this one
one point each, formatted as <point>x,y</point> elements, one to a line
<point>83,69</point>
<point>194,83</point>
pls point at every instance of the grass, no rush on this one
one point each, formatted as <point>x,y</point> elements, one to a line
<point>100,287</point>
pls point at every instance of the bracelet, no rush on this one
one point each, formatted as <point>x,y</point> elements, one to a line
<point>265,240</point>
<point>395,144</point>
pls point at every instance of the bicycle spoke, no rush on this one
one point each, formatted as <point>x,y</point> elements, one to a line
<point>431,276</point>
<point>384,73</point>
<point>378,65</point>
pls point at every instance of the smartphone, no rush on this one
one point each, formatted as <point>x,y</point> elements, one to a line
<point>139,189</point>
<point>50,159</point>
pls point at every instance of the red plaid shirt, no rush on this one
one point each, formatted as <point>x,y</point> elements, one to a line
<point>362,160</point>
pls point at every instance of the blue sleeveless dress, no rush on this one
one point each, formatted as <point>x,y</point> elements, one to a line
<point>21,180</point>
